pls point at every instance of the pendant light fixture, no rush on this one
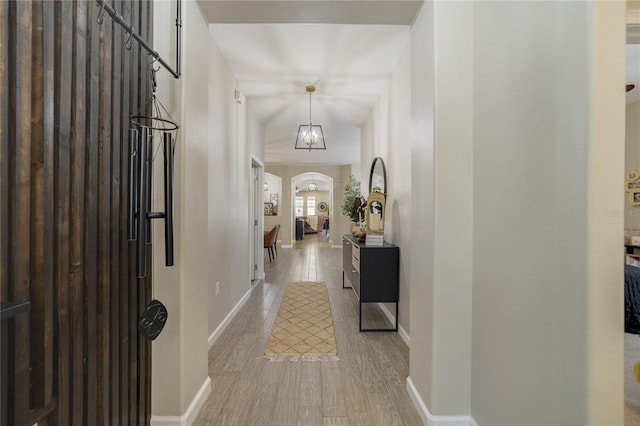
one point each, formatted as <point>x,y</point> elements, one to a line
<point>310,135</point>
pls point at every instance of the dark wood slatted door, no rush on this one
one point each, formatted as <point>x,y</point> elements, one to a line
<point>71,352</point>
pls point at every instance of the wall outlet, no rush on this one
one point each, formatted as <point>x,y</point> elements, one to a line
<point>217,288</point>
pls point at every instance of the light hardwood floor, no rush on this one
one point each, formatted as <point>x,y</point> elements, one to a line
<point>365,387</point>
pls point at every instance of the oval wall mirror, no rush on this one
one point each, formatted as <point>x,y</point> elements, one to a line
<point>378,176</point>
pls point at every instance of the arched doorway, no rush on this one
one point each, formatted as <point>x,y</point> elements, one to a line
<point>312,199</point>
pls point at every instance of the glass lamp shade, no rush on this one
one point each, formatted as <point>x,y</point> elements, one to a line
<point>310,137</point>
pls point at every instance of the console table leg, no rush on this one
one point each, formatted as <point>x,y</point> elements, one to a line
<point>360,317</point>
<point>396,316</point>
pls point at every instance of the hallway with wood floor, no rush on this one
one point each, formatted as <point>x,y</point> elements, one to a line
<point>367,386</point>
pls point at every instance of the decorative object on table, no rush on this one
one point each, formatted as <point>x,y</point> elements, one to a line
<point>274,200</point>
<point>376,203</point>
<point>303,329</point>
<point>268,209</point>
<point>354,204</point>
<point>310,136</point>
<point>322,207</point>
<point>632,187</point>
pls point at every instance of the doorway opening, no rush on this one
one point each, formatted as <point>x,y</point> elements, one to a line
<point>312,205</point>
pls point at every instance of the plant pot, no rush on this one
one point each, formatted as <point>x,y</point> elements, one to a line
<point>353,228</point>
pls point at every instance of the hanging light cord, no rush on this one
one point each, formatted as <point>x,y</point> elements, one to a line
<point>310,111</point>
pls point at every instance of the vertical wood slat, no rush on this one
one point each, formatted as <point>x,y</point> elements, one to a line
<point>91,212</point>
<point>41,285</point>
<point>148,282</point>
<point>104,224</point>
<point>48,37</point>
<point>4,201</point>
<point>4,152</point>
<point>36,287</point>
<point>118,237</point>
<point>143,78</point>
<point>134,368</point>
<point>63,71</point>
<point>77,215</point>
<point>20,204</point>
<point>127,259</point>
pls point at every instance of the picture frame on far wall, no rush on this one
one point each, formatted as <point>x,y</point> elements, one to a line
<point>274,201</point>
<point>632,187</point>
<point>268,209</point>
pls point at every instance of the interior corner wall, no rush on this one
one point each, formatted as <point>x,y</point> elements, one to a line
<point>454,186</point>
<point>216,141</point>
<point>547,274</point>
<point>385,133</point>
<point>632,162</point>
<point>182,287</point>
<point>229,177</point>
<point>421,250</point>
<point>605,296</point>
<point>442,218</point>
<point>166,382</point>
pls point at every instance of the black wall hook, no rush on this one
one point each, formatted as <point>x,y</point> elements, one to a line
<point>100,18</point>
<point>129,44</point>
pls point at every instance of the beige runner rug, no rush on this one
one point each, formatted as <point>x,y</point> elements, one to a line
<point>303,328</point>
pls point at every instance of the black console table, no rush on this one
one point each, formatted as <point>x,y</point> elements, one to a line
<point>373,272</point>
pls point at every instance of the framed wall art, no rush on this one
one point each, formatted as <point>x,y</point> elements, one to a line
<point>632,187</point>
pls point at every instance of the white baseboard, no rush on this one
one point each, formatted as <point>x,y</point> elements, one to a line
<point>392,318</point>
<point>334,246</point>
<point>429,419</point>
<point>225,322</point>
<point>192,412</point>
<point>286,246</point>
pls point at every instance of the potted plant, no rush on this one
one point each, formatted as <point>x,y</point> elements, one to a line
<point>354,204</point>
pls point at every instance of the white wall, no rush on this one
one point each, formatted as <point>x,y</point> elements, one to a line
<point>386,134</point>
<point>183,343</point>
<point>520,164</point>
<point>422,301</point>
<point>235,136</point>
<point>547,275</point>
<point>217,140</point>
<point>453,238</point>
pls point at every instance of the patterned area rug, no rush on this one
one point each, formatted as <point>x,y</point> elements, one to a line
<point>303,328</point>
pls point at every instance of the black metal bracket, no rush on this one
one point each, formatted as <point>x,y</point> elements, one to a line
<point>105,7</point>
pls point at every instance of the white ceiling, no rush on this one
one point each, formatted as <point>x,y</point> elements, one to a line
<point>348,64</point>
<point>346,48</point>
